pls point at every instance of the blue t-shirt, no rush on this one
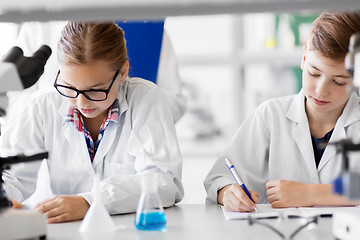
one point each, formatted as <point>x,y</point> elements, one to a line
<point>319,145</point>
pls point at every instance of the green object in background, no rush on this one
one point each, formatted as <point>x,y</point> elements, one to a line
<point>298,75</point>
<point>295,21</point>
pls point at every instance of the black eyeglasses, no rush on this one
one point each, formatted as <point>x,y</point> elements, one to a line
<point>309,220</point>
<point>92,94</point>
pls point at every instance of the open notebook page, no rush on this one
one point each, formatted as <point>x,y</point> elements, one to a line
<point>262,211</point>
<point>266,211</point>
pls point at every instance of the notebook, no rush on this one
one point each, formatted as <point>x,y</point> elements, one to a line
<point>266,211</point>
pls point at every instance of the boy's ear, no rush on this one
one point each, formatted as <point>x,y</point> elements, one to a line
<point>303,57</point>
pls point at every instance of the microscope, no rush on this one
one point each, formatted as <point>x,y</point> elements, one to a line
<point>18,72</point>
<point>346,224</point>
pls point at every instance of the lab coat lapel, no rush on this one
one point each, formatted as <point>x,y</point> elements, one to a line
<point>301,134</point>
<point>346,118</point>
<point>111,131</point>
<point>330,151</point>
<point>72,138</point>
<point>105,144</point>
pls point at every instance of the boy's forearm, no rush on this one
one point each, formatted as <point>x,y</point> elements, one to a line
<point>323,195</point>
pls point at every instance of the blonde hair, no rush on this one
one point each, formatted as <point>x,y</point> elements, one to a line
<point>85,42</point>
<point>331,33</point>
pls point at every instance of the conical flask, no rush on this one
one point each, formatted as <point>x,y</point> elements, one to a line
<point>150,214</point>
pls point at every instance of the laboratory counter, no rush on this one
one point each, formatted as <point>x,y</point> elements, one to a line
<point>197,221</point>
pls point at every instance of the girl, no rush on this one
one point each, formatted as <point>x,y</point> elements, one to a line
<point>98,122</point>
<point>276,150</point>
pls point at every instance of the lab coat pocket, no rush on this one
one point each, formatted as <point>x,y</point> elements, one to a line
<point>116,168</point>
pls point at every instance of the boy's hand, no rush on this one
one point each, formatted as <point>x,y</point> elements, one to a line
<point>283,193</point>
<point>63,208</point>
<point>234,198</point>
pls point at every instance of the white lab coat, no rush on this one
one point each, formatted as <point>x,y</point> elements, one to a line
<point>274,142</point>
<point>144,139</point>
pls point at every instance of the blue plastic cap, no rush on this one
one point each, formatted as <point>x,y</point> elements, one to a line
<point>338,185</point>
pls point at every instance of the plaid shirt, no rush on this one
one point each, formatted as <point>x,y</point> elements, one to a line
<point>75,117</point>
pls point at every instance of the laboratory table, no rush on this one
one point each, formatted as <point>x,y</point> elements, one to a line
<point>196,221</point>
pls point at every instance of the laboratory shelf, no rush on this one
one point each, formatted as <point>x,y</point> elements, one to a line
<point>39,10</point>
<point>280,57</point>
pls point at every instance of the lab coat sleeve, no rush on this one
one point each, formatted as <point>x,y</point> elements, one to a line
<point>23,135</point>
<point>168,78</point>
<point>248,150</point>
<point>154,144</point>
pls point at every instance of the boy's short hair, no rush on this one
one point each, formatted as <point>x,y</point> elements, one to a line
<point>331,33</point>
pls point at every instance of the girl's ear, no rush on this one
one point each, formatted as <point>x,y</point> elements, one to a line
<point>124,71</point>
<point>303,57</point>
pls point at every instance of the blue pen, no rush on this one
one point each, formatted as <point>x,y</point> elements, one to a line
<point>237,177</point>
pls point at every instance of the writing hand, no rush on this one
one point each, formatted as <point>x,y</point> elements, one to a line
<point>234,198</point>
<point>63,208</point>
<point>283,193</point>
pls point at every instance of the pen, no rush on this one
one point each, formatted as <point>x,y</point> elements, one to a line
<point>237,177</point>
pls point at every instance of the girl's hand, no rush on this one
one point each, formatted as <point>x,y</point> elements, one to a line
<point>283,193</point>
<point>234,198</point>
<point>63,208</point>
<point>15,204</point>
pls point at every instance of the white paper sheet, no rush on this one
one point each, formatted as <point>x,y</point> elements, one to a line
<point>266,211</point>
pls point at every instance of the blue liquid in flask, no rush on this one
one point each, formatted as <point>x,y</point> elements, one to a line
<point>151,221</point>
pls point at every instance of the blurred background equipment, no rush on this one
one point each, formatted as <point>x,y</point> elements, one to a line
<point>346,223</point>
<point>348,184</point>
<point>18,72</point>
<point>18,223</point>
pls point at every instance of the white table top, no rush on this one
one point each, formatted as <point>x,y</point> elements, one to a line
<point>196,221</point>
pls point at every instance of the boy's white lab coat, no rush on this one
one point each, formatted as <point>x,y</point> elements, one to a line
<point>274,142</point>
<point>144,139</point>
